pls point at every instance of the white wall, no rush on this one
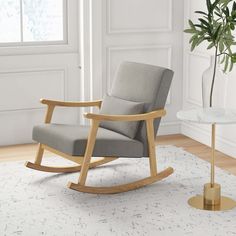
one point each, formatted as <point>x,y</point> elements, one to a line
<point>194,65</point>
<point>148,31</point>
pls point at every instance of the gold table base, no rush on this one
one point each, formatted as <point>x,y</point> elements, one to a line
<point>225,204</point>
<point>212,199</point>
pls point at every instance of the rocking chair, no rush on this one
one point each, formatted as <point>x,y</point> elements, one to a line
<point>125,127</point>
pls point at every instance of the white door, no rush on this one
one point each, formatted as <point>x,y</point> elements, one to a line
<point>38,59</point>
<point>147,31</point>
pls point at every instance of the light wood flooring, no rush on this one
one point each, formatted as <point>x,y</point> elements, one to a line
<point>200,150</point>
<point>27,151</point>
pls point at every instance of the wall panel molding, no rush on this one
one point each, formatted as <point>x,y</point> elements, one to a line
<point>10,77</point>
<point>112,30</point>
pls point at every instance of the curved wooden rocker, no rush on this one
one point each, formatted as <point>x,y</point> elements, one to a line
<point>52,169</point>
<point>122,188</point>
<point>71,169</point>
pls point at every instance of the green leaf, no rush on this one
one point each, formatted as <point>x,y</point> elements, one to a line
<point>208,5</point>
<point>194,43</point>
<point>204,22</point>
<point>191,24</point>
<point>200,40</point>
<point>189,31</point>
<point>202,27</point>
<point>227,11</point>
<point>232,27</point>
<point>215,35</point>
<point>234,7</point>
<point>215,4</point>
<point>226,64</point>
<point>233,57</point>
<point>202,13</point>
<point>211,45</point>
<point>218,14</point>
<point>231,65</point>
<point>193,38</point>
<point>223,60</point>
<point>221,46</point>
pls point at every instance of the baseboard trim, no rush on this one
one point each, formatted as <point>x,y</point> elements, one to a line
<point>226,146</point>
<point>167,128</point>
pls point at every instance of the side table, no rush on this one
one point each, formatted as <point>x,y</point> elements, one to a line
<point>211,198</point>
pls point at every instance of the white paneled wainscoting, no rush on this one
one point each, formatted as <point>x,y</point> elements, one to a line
<point>22,87</point>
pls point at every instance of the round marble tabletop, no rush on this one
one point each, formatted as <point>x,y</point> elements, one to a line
<point>208,116</point>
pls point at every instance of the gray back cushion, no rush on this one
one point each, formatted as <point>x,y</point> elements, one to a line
<point>117,106</point>
<point>143,83</point>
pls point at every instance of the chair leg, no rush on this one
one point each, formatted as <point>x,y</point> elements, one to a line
<point>88,152</point>
<point>151,146</point>
<point>39,155</point>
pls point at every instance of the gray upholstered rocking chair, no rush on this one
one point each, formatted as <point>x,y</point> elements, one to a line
<point>126,126</point>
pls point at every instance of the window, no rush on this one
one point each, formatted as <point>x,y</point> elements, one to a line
<point>32,21</point>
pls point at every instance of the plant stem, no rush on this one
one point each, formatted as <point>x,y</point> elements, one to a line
<point>214,76</point>
<point>223,53</point>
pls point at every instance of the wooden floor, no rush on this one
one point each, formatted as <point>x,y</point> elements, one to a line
<point>27,152</point>
<point>200,150</point>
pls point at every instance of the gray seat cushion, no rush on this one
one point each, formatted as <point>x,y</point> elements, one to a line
<point>72,140</point>
<point>117,106</point>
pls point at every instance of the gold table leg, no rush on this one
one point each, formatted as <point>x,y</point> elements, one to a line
<point>211,199</point>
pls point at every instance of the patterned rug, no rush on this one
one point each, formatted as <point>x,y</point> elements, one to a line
<point>35,203</point>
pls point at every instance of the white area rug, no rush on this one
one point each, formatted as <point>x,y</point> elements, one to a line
<point>36,203</point>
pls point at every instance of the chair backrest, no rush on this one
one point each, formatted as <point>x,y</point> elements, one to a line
<point>143,83</point>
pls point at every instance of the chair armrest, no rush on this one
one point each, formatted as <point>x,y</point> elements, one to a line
<point>51,104</point>
<point>71,104</point>
<point>138,117</point>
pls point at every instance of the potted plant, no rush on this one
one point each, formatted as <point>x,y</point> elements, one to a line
<point>215,26</point>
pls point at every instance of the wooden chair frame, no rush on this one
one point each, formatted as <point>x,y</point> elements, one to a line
<point>85,163</point>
